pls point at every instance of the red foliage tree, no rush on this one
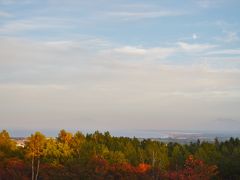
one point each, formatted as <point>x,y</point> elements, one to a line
<point>15,169</point>
<point>194,169</point>
<point>143,167</point>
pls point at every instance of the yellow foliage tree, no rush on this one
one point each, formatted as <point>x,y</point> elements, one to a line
<point>35,146</point>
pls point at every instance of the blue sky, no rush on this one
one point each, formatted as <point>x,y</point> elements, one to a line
<point>114,65</point>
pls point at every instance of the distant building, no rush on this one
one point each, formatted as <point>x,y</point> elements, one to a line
<point>20,142</point>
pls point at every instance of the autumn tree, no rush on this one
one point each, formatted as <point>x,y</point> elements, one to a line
<point>64,137</point>
<point>6,144</point>
<point>77,143</point>
<point>194,169</point>
<point>52,152</point>
<point>35,148</point>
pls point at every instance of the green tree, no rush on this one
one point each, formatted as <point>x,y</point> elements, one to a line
<point>115,157</point>
<point>52,152</point>
<point>77,143</point>
<point>157,155</point>
<point>208,152</point>
<point>178,157</point>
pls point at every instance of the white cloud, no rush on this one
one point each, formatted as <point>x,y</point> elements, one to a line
<point>131,50</point>
<point>40,84</point>
<point>225,52</point>
<point>33,24</point>
<point>131,15</point>
<point>195,47</point>
<point>158,52</point>
<point>5,14</point>
<point>229,37</point>
<point>151,53</point>
<point>209,3</point>
<point>14,1</point>
<point>21,25</point>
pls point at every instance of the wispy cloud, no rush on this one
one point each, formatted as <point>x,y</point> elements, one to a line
<point>195,47</point>
<point>131,50</point>
<point>228,120</point>
<point>209,3</point>
<point>134,15</point>
<point>225,52</point>
<point>228,37</point>
<point>151,53</point>
<point>7,2</point>
<point>73,44</point>
<point>229,31</point>
<point>5,14</point>
<point>75,83</point>
<point>21,25</point>
<point>33,24</point>
<point>161,52</point>
<point>118,63</point>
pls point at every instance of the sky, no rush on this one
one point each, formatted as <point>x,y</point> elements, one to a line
<point>121,65</point>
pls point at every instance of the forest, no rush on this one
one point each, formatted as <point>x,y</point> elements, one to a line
<point>102,156</point>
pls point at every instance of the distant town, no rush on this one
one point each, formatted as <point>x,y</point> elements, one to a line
<point>179,137</point>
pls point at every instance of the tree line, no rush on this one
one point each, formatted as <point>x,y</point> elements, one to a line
<point>102,156</point>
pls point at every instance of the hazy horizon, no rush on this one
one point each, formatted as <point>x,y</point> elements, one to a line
<point>139,133</point>
<point>115,65</point>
